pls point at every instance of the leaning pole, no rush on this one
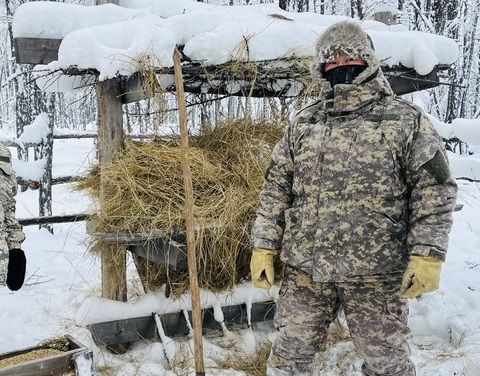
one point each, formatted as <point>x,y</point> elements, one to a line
<point>191,255</point>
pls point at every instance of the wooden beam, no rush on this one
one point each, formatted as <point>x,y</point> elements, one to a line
<point>109,119</point>
<point>274,78</point>
<point>402,80</point>
<point>36,50</point>
<point>386,17</point>
<point>110,141</point>
<point>410,81</point>
<point>54,219</point>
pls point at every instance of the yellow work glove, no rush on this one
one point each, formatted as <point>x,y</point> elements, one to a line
<point>422,275</point>
<point>261,267</point>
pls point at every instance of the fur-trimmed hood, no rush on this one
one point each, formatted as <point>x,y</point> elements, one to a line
<point>348,38</point>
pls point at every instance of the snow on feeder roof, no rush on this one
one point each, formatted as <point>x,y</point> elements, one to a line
<point>110,38</point>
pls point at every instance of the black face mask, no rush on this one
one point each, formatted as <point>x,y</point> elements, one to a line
<point>344,74</point>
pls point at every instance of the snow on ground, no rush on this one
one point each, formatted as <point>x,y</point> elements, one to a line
<point>63,285</point>
<point>112,39</point>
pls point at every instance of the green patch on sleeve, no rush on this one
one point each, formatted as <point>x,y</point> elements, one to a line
<point>438,168</point>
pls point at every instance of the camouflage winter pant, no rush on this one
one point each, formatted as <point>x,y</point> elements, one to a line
<point>376,317</point>
<point>3,267</point>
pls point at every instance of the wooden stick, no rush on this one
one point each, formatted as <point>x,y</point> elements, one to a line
<point>191,256</point>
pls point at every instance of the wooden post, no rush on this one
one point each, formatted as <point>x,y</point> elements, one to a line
<point>386,17</point>
<point>110,141</point>
<point>191,256</point>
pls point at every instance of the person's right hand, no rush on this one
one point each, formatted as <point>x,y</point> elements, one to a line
<point>16,269</point>
<point>261,267</point>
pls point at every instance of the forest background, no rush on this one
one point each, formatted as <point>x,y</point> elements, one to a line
<point>458,97</point>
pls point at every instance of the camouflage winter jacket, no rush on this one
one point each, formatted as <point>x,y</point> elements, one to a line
<point>359,181</point>
<point>11,235</point>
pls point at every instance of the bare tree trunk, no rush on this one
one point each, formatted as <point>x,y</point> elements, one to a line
<point>46,152</point>
<point>284,4</point>
<point>303,6</point>
<point>356,9</point>
<point>21,86</point>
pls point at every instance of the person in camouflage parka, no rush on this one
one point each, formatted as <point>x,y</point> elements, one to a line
<point>12,258</point>
<point>358,202</point>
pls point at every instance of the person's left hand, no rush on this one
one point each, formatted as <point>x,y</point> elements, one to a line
<point>16,269</point>
<point>422,275</point>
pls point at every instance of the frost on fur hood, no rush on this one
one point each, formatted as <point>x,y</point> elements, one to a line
<point>346,38</point>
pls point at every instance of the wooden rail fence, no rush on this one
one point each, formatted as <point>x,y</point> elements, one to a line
<point>45,217</point>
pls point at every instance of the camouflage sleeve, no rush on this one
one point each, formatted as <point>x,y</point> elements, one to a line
<point>8,185</point>
<point>275,197</point>
<point>15,235</point>
<point>432,191</point>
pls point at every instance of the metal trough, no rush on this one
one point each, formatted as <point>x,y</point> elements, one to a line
<point>175,324</point>
<point>157,247</point>
<point>55,365</point>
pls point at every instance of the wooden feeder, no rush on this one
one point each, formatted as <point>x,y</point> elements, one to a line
<point>54,365</point>
<point>270,78</point>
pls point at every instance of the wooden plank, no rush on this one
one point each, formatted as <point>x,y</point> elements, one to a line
<point>33,184</point>
<point>73,135</point>
<point>402,81</point>
<point>36,50</point>
<point>201,79</point>
<point>386,17</point>
<point>128,238</point>
<point>410,81</point>
<point>65,179</point>
<point>132,89</point>
<point>109,119</point>
<point>54,219</point>
<point>110,141</point>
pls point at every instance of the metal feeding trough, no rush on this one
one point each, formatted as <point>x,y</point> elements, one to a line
<point>175,325</point>
<point>169,251</point>
<point>162,251</point>
<point>54,365</point>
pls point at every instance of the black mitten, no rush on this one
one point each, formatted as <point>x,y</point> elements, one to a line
<point>16,269</point>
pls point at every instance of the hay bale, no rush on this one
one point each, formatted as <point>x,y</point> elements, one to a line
<point>144,193</point>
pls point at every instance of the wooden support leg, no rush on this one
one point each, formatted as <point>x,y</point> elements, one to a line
<point>110,141</point>
<point>114,276</point>
<point>114,282</point>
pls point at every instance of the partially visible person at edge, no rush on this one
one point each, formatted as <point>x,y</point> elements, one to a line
<point>358,202</point>
<point>12,258</point>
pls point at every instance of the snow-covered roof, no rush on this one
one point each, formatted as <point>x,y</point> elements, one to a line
<point>111,38</point>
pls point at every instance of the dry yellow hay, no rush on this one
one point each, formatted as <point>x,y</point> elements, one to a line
<point>251,364</point>
<point>144,192</point>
